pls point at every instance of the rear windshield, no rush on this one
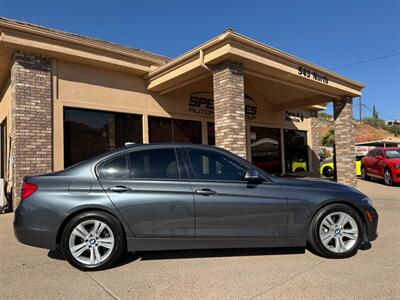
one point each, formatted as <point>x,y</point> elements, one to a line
<point>393,153</point>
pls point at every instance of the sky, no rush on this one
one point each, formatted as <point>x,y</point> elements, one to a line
<point>346,36</point>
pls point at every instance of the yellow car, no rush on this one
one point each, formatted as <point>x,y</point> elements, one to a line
<point>299,167</point>
<point>327,167</point>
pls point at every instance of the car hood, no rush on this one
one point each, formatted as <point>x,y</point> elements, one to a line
<point>316,183</point>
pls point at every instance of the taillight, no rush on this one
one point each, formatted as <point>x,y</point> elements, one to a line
<point>27,190</point>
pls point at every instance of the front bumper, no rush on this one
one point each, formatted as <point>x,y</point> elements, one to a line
<point>396,175</point>
<point>371,226</point>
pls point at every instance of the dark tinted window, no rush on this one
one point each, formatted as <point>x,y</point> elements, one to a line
<point>88,133</point>
<point>160,130</point>
<point>266,149</point>
<point>115,168</point>
<point>359,157</point>
<point>166,130</point>
<point>296,154</point>
<point>153,164</point>
<point>215,166</point>
<point>377,152</point>
<point>211,133</point>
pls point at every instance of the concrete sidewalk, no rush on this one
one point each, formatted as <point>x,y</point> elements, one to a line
<point>32,273</point>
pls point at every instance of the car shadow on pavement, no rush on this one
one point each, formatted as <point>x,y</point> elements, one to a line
<point>189,254</point>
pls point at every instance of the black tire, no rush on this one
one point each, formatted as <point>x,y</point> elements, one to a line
<point>300,170</point>
<point>314,240</point>
<point>327,172</point>
<point>364,174</point>
<point>387,177</point>
<point>117,231</point>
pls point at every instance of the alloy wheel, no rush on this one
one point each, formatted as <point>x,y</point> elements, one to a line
<point>91,242</point>
<point>364,174</point>
<point>338,232</point>
<point>388,177</point>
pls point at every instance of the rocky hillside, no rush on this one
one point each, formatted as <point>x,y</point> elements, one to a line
<point>363,132</point>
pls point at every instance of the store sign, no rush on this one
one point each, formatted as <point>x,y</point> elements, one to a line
<point>203,104</point>
<point>294,116</point>
<point>312,74</point>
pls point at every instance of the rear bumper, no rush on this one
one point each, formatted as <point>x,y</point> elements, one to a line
<point>30,228</point>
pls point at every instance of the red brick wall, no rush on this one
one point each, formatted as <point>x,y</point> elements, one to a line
<point>31,113</point>
<point>229,108</point>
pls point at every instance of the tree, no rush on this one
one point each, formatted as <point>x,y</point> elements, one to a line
<point>329,139</point>
<point>374,113</point>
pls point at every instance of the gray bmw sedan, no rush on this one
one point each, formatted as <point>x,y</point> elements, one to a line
<point>171,196</point>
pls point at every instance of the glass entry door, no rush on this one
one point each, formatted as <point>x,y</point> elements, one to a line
<point>266,149</point>
<point>296,158</point>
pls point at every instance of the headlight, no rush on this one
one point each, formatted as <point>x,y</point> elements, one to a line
<point>396,166</point>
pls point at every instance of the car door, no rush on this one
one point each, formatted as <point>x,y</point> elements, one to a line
<point>369,162</point>
<point>227,206</point>
<point>151,191</point>
<point>375,163</point>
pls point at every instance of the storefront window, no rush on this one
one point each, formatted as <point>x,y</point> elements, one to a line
<point>211,133</point>
<point>88,133</point>
<point>266,149</point>
<point>295,151</point>
<point>166,130</point>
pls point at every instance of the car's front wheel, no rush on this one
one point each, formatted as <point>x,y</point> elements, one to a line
<point>93,241</point>
<point>336,231</point>
<point>387,177</point>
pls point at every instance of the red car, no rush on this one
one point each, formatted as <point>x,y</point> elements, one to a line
<point>383,163</point>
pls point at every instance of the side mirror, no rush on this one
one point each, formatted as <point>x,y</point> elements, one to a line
<point>379,157</point>
<point>252,175</point>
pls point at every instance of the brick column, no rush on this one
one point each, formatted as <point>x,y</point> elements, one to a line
<point>32,118</point>
<point>344,141</point>
<point>315,146</point>
<point>229,113</point>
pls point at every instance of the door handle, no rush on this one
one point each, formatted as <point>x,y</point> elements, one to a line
<point>205,192</point>
<point>119,188</point>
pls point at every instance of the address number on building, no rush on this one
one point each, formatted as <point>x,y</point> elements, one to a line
<point>312,74</point>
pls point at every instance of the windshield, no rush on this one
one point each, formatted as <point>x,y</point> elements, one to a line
<point>393,153</point>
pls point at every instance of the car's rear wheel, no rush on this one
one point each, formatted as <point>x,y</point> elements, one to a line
<point>336,231</point>
<point>364,174</point>
<point>93,241</point>
<point>387,177</point>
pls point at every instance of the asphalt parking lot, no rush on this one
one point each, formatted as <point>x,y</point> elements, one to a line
<point>32,273</point>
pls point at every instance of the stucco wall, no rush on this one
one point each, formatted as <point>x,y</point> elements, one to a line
<point>78,85</point>
<point>5,110</point>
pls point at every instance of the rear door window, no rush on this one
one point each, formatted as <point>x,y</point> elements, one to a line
<point>153,164</point>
